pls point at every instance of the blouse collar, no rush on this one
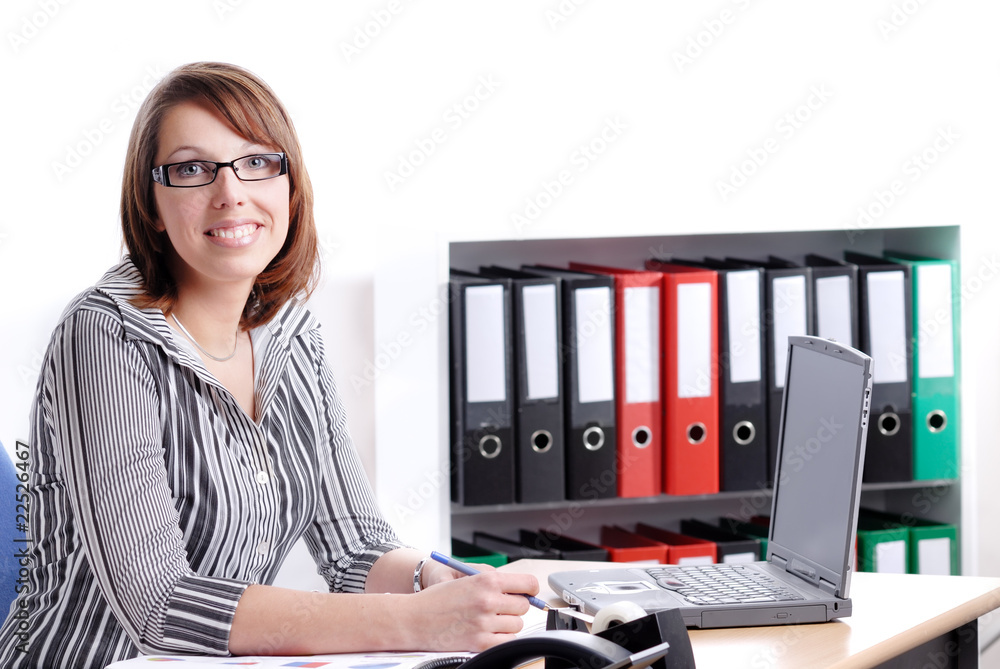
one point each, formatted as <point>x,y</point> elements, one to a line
<point>123,283</point>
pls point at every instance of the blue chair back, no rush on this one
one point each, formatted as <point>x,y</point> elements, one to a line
<point>11,538</point>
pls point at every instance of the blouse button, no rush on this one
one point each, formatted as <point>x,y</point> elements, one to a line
<point>262,547</point>
<point>262,477</point>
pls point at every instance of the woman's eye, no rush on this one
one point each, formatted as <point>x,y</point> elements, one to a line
<point>257,162</point>
<point>189,169</point>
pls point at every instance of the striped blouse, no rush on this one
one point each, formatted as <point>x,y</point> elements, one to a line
<point>156,500</point>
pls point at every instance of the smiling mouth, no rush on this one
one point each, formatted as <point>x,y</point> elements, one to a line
<point>233,233</point>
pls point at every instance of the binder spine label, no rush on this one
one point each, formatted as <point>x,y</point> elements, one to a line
<point>788,306</point>
<point>935,350</point>
<point>743,303</point>
<point>593,338</point>
<point>541,342</point>
<point>486,361</point>
<point>886,314</point>
<point>642,344</point>
<point>833,301</point>
<point>694,340</point>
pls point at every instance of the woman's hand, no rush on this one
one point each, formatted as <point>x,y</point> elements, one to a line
<point>470,612</point>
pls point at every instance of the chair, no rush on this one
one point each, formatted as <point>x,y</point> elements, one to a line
<point>11,538</point>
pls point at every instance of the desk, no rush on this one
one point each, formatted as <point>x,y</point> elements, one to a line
<point>899,620</point>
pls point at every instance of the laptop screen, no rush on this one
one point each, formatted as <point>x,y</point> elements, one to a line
<point>814,496</point>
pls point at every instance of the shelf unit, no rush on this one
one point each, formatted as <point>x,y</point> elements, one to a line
<point>412,389</point>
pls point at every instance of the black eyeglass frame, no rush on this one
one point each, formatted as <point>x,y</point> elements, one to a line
<point>161,177</point>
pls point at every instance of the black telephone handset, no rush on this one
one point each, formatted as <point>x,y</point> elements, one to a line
<point>635,644</point>
<point>579,649</point>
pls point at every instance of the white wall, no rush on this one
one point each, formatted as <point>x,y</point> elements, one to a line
<point>885,79</point>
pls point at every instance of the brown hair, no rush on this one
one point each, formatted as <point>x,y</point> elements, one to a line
<point>255,112</point>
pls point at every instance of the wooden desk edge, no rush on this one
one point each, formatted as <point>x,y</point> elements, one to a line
<point>937,626</point>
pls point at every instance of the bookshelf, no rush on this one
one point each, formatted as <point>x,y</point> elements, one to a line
<point>411,390</point>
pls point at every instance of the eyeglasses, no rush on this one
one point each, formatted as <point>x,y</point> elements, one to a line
<point>194,173</point>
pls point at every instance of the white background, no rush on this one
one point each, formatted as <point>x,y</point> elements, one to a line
<point>368,83</point>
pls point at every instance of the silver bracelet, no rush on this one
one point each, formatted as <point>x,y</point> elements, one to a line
<point>417,573</point>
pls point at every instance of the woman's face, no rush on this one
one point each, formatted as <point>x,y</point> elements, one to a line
<point>229,230</point>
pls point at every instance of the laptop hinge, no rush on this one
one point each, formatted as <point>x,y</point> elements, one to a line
<point>805,571</point>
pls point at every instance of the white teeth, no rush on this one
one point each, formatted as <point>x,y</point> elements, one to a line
<point>234,233</point>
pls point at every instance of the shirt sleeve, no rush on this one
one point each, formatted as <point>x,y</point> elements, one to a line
<point>104,413</point>
<point>349,532</point>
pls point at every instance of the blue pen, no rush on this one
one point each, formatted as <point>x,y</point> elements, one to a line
<point>471,571</point>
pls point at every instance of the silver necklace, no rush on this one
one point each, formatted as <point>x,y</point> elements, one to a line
<point>195,342</point>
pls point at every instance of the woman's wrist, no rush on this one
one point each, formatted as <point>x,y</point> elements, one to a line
<point>435,573</point>
<point>418,574</point>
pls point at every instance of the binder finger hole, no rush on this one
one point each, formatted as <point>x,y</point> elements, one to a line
<point>641,436</point>
<point>593,438</point>
<point>744,432</point>
<point>696,433</point>
<point>490,446</point>
<point>541,441</point>
<point>888,423</point>
<point>936,421</point>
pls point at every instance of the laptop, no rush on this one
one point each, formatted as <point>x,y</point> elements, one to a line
<point>814,514</point>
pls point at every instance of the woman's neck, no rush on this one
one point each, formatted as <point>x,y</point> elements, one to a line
<point>212,314</point>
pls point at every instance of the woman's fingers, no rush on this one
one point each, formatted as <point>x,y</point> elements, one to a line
<point>480,611</point>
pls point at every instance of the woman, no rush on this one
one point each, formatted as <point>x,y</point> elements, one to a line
<point>186,430</point>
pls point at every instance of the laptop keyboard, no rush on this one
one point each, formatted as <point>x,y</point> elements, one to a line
<point>721,584</point>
